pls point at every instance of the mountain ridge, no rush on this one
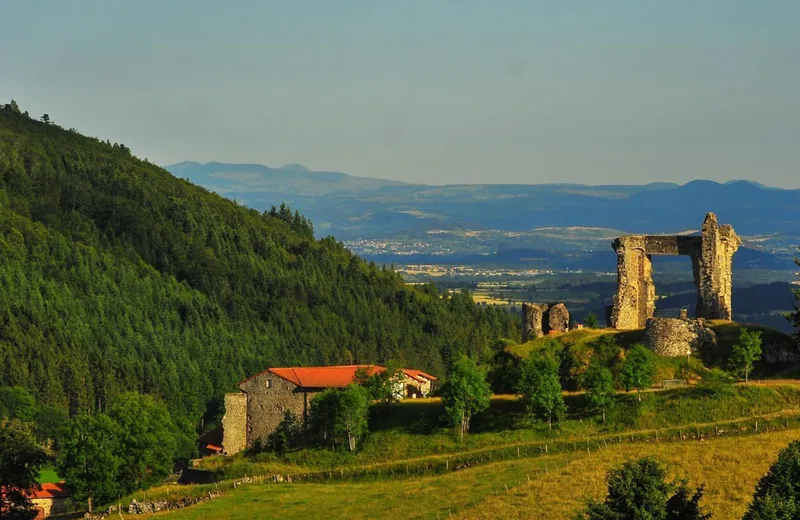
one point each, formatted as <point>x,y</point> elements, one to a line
<point>360,207</point>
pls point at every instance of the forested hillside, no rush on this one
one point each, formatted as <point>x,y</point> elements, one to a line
<point>115,276</point>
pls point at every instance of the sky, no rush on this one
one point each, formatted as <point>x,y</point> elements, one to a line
<point>431,91</point>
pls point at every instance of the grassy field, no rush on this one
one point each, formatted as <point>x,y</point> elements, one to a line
<point>48,475</point>
<point>542,487</point>
<point>413,429</point>
<point>413,465</point>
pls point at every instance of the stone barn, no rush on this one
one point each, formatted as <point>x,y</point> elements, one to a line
<point>50,499</point>
<point>255,411</point>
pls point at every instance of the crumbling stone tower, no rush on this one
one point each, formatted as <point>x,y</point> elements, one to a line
<point>711,254</point>
<point>538,319</point>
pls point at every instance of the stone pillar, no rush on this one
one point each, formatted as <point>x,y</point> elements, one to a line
<point>532,320</point>
<point>719,243</point>
<point>634,302</point>
<point>558,318</point>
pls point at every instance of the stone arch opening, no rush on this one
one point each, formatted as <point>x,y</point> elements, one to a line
<point>711,254</point>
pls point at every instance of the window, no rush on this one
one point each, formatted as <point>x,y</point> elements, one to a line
<point>269,383</point>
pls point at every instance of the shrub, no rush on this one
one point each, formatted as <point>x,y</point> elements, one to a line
<point>637,490</point>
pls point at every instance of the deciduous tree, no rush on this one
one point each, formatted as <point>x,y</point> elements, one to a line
<point>351,416</point>
<point>638,370</point>
<point>89,459</point>
<point>147,440</point>
<point>745,352</point>
<point>20,460</point>
<point>777,495</point>
<point>17,403</point>
<point>591,320</point>
<point>465,394</point>
<point>637,490</point>
<point>540,387</point>
<point>339,416</point>
<point>599,384</point>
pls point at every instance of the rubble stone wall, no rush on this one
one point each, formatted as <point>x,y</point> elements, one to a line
<point>714,289</point>
<point>558,318</point>
<point>711,254</point>
<point>533,325</point>
<point>636,294</point>
<point>234,423</point>
<point>678,337</point>
<point>268,396</point>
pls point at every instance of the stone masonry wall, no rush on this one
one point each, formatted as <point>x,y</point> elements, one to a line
<point>234,423</point>
<point>678,337</point>
<point>268,396</point>
<point>715,280</point>
<point>558,318</point>
<point>711,255</point>
<point>634,302</point>
<point>533,320</point>
<point>539,319</point>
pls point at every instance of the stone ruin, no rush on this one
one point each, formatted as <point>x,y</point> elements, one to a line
<point>711,255</point>
<point>539,319</point>
<point>679,336</point>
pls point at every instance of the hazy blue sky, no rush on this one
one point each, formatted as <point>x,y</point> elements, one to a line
<point>430,91</point>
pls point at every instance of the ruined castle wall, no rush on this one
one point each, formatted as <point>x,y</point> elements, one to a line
<point>678,337</point>
<point>533,325</point>
<point>268,396</point>
<point>634,302</point>
<point>558,318</point>
<point>234,423</point>
<point>715,270</point>
<point>711,254</point>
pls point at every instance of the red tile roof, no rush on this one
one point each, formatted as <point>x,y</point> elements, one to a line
<point>56,490</point>
<point>324,377</point>
<point>331,376</point>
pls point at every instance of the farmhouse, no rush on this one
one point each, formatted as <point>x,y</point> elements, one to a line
<point>255,411</point>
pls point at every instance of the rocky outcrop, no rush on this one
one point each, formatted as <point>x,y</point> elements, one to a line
<point>679,337</point>
<point>711,254</point>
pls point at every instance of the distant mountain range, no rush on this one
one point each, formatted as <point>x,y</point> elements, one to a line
<point>351,207</point>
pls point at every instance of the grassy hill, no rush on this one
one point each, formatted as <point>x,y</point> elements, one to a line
<point>117,276</point>
<point>546,487</point>
<point>727,335</point>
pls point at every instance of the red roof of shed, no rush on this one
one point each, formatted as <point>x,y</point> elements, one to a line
<point>55,490</point>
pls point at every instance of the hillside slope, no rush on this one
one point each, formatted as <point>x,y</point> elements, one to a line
<point>116,275</point>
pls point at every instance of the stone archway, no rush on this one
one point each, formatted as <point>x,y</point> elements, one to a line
<point>711,254</point>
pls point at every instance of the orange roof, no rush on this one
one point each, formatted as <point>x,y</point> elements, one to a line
<point>320,377</point>
<point>331,376</point>
<point>57,490</point>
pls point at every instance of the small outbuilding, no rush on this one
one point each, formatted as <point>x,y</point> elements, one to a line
<point>50,499</point>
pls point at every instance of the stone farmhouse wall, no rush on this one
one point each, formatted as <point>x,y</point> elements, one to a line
<point>234,423</point>
<point>268,397</point>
